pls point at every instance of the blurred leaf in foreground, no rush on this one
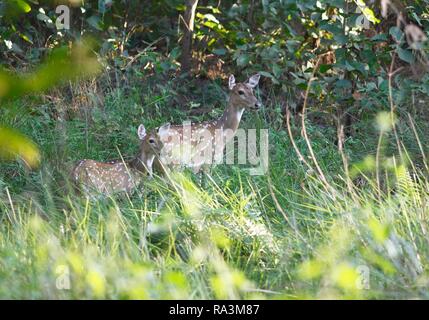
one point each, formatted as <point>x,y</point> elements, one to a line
<point>62,65</point>
<point>14,145</point>
<point>14,8</point>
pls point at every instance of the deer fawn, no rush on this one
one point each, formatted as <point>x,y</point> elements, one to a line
<point>119,176</point>
<point>196,144</point>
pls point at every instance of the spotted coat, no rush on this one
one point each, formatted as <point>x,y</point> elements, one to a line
<point>90,176</point>
<point>190,145</point>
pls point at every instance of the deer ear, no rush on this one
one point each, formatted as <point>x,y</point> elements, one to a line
<point>164,129</point>
<point>231,82</point>
<point>254,80</point>
<point>141,132</point>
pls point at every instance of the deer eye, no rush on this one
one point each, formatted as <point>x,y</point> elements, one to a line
<point>152,140</point>
<point>241,92</point>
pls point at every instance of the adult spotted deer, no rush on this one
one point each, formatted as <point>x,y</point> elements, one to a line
<point>119,176</point>
<point>198,145</point>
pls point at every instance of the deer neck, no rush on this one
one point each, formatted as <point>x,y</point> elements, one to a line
<point>231,117</point>
<point>142,163</point>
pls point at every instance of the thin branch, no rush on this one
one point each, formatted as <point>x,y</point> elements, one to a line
<point>304,129</point>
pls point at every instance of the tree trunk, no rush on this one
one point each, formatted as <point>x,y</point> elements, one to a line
<point>189,17</point>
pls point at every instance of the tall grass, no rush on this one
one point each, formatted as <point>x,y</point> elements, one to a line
<point>280,236</point>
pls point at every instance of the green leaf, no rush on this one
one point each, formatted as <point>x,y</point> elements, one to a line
<point>95,22</point>
<point>220,52</point>
<point>379,37</point>
<point>243,60</point>
<point>269,75</point>
<point>175,53</point>
<point>23,5</point>
<point>343,84</point>
<point>405,55</point>
<point>396,33</point>
<point>325,68</point>
<point>14,146</point>
<point>341,39</point>
<point>367,12</point>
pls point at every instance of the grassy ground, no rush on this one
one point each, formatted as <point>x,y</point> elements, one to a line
<point>282,235</point>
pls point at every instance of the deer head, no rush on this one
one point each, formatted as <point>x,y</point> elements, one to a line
<point>242,93</point>
<point>150,145</point>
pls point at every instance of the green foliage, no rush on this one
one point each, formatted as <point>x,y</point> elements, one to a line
<point>289,234</point>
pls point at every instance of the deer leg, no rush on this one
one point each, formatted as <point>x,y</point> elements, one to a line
<point>204,172</point>
<point>201,179</point>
